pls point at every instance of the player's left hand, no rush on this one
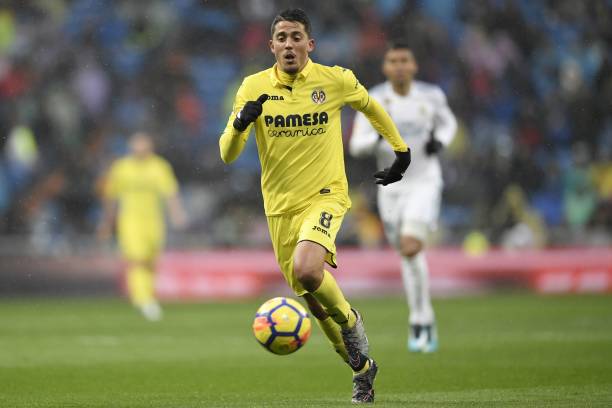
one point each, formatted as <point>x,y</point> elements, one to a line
<point>433,146</point>
<point>396,171</point>
<point>249,113</point>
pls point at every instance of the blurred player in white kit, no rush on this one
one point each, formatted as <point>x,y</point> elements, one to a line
<point>409,209</point>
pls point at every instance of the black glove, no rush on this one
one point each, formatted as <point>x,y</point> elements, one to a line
<point>396,171</point>
<point>433,145</point>
<point>249,113</point>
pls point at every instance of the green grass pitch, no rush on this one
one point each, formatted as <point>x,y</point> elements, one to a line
<point>504,350</point>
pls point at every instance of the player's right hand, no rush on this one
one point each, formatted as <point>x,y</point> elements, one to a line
<point>249,113</point>
<point>396,171</point>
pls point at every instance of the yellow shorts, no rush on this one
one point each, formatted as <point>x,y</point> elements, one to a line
<point>319,222</point>
<point>140,242</point>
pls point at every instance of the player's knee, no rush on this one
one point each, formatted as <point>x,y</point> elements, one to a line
<point>410,246</point>
<point>308,274</point>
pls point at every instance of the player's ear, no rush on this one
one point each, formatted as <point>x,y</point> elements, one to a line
<point>415,63</point>
<point>311,44</point>
<point>271,44</point>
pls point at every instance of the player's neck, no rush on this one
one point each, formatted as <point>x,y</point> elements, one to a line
<point>284,77</point>
<point>402,88</point>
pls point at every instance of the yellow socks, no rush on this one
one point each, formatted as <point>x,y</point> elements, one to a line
<point>332,332</point>
<point>340,315</point>
<point>332,299</point>
<point>140,285</point>
<point>365,368</point>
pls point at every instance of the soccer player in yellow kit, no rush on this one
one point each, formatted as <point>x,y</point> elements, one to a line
<point>303,178</point>
<point>138,187</point>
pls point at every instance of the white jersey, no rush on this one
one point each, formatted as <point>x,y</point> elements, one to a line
<point>424,108</point>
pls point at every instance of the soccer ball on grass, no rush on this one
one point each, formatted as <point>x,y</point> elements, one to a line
<point>281,325</point>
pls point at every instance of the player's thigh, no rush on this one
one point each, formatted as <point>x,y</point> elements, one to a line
<point>321,224</point>
<point>139,243</point>
<point>419,212</point>
<point>284,230</point>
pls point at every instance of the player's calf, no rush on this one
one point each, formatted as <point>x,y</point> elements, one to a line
<point>356,343</point>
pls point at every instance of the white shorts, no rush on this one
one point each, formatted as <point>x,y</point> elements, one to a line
<point>413,211</point>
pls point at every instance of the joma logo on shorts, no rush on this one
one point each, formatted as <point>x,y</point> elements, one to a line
<point>316,228</point>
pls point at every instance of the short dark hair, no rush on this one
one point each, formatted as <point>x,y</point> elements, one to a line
<point>296,15</point>
<point>399,45</point>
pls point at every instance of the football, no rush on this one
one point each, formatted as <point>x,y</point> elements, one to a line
<point>281,325</point>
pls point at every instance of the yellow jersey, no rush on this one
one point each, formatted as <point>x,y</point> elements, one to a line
<point>140,187</point>
<point>298,135</point>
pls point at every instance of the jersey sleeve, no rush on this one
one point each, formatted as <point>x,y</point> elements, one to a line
<point>384,125</point>
<point>168,186</point>
<point>354,93</point>
<point>358,98</point>
<point>232,141</point>
<point>364,138</point>
<point>445,123</point>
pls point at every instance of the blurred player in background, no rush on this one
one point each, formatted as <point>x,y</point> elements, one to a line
<point>409,209</point>
<point>303,178</point>
<point>136,190</point>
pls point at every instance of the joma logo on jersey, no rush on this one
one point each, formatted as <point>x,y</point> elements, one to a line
<point>307,119</point>
<point>317,228</point>
<point>277,98</point>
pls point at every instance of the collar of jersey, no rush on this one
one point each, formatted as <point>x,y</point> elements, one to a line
<point>302,74</point>
<point>392,93</point>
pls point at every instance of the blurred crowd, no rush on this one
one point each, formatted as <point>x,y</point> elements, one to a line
<point>530,82</point>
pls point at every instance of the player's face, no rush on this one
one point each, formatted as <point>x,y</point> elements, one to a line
<point>291,45</point>
<point>399,66</point>
<point>141,146</point>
